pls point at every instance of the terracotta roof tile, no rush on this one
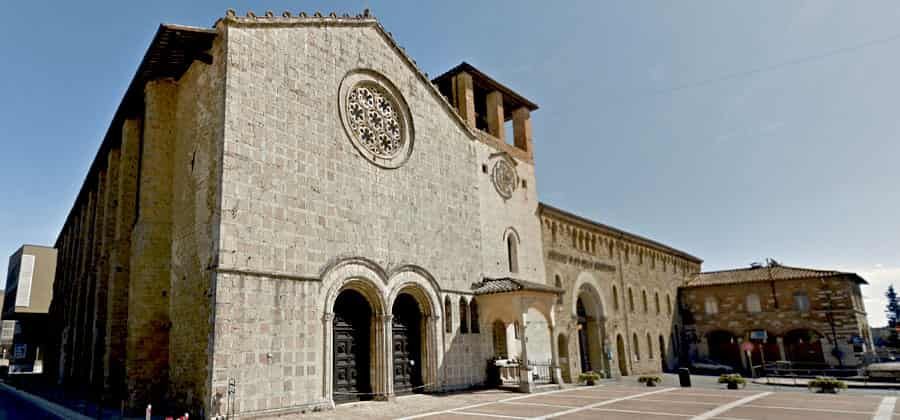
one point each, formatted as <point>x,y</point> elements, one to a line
<point>764,273</point>
<point>508,284</point>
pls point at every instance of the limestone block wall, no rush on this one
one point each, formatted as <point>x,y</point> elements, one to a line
<point>509,216</point>
<point>601,266</point>
<point>297,197</point>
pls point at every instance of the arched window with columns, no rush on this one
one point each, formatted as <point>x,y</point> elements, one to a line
<point>448,315</point>
<point>615,297</point>
<point>512,252</point>
<point>637,347</point>
<point>473,311</point>
<point>463,316</point>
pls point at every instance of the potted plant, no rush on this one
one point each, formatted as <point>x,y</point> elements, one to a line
<point>589,378</point>
<point>732,380</point>
<point>826,385</point>
<point>649,380</point>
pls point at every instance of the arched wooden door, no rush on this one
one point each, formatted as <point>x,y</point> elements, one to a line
<point>621,355</point>
<point>351,336</point>
<point>406,328</point>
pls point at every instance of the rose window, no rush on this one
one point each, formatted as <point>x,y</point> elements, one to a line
<point>372,116</point>
<point>504,178</point>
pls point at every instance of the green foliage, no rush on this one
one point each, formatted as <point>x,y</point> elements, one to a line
<point>649,379</point>
<point>589,377</point>
<point>732,378</point>
<point>827,384</point>
<point>893,315</point>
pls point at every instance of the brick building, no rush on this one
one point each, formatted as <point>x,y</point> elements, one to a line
<point>287,204</point>
<point>805,316</point>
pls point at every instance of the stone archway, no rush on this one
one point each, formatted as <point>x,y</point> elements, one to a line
<point>589,316</point>
<point>407,334</point>
<point>351,335</point>
<point>355,277</point>
<point>415,312</point>
<point>621,355</point>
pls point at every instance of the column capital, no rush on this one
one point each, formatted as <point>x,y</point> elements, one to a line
<point>328,317</point>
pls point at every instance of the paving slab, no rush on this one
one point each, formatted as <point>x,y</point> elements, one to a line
<point>657,407</point>
<point>814,401</point>
<point>756,413</point>
<point>514,410</point>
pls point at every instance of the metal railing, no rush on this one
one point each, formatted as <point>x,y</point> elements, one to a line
<point>805,370</point>
<point>541,372</point>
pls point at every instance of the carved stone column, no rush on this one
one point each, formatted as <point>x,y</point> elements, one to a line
<point>555,371</point>
<point>430,352</point>
<point>383,366</point>
<point>526,381</point>
<point>328,352</point>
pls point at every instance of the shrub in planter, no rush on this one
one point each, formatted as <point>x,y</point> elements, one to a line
<point>827,385</point>
<point>649,380</point>
<point>733,380</point>
<point>589,378</point>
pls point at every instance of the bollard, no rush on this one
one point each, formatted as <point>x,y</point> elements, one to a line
<point>684,377</point>
<point>149,411</point>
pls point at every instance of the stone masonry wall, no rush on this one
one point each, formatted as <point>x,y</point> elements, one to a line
<point>592,262</point>
<point>196,158</point>
<point>733,316</point>
<point>297,196</point>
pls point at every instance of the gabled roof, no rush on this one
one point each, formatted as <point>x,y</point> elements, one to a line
<point>485,81</point>
<point>491,286</point>
<point>766,273</point>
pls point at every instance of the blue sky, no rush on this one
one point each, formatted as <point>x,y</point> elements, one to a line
<point>732,130</point>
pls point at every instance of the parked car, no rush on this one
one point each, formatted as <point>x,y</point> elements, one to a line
<point>883,371</point>
<point>711,367</point>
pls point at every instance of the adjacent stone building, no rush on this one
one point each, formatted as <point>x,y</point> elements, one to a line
<point>805,316</point>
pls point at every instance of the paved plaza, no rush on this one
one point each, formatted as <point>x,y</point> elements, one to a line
<point>615,401</point>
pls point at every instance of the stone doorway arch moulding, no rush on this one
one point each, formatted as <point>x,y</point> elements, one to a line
<point>381,288</point>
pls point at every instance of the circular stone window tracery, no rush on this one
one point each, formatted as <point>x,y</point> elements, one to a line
<point>504,177</point>
<point>376,118</point>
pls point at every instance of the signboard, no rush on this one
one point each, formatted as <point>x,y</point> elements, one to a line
<point>758,335</point>
<point>747,346</point>
<point>19,351</point>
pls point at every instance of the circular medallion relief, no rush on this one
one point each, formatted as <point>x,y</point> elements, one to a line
<point>376,118</point>
<point>505,178</point>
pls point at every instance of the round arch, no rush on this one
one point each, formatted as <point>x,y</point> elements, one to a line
<point>420,285</point>
<point>368,280</point>
<point>586,283</point>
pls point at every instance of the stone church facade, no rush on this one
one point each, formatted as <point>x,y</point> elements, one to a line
<point>286,213</point>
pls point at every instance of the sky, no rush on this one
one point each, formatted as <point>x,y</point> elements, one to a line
<point>735,131</point>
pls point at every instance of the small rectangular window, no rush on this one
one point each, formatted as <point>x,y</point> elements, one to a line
<point>26,273</point>
<point>801,302</point>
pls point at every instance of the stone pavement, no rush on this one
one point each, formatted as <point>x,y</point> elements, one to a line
<point>626,401</point>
